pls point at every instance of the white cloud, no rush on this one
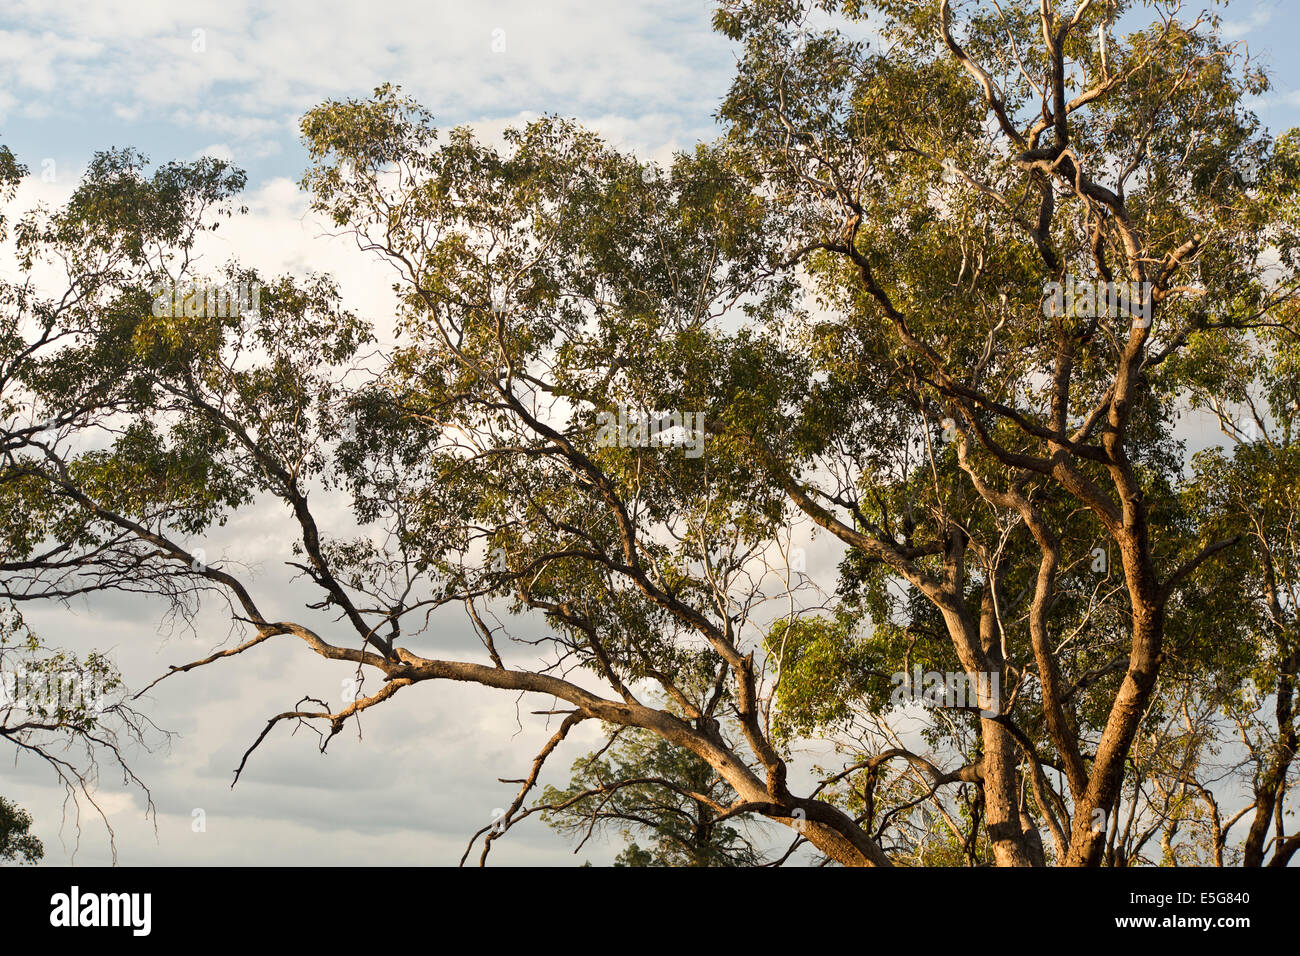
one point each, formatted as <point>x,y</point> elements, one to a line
<point>263,63</point>
<point>216,151</point>
<point>1236,29</point>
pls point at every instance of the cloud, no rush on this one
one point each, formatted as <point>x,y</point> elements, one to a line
<point>1236,29</point>
<point>248,70</point>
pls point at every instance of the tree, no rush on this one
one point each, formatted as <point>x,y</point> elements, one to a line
<point>65,383</point>
<point>1030,148</point>
<point>1252,493</point>
<point>16,839</point>
<point>645,787</point>
<point>943,302</point>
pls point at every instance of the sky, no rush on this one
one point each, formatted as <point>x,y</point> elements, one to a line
<point>231,79</point>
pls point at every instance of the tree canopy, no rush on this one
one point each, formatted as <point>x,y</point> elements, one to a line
<point>947,291</point>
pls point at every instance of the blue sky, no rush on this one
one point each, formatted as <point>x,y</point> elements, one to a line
<point>89,74</point>
<point>179,79</point>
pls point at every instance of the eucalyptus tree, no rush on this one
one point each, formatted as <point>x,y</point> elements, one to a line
<point>67,387</point>
<point>565,378</point>
<point>874,306</point>
<point>473,455</point>
<point>645,789</point>
<point>16,839</point>
<point>1252,491</point>
<point>962,187</point>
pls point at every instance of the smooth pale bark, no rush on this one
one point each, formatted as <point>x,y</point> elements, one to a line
<point>1087,840</point>
<point>1007,833</point>
<point>1001,763</point>
<point>825,827</point>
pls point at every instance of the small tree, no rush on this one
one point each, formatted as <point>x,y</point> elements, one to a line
<point>644,788</point>
<point>16,839</point>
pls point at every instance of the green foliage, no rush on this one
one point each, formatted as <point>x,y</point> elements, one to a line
<point>16,839</point>
<point>848,289</point>
<point>643,787</point>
